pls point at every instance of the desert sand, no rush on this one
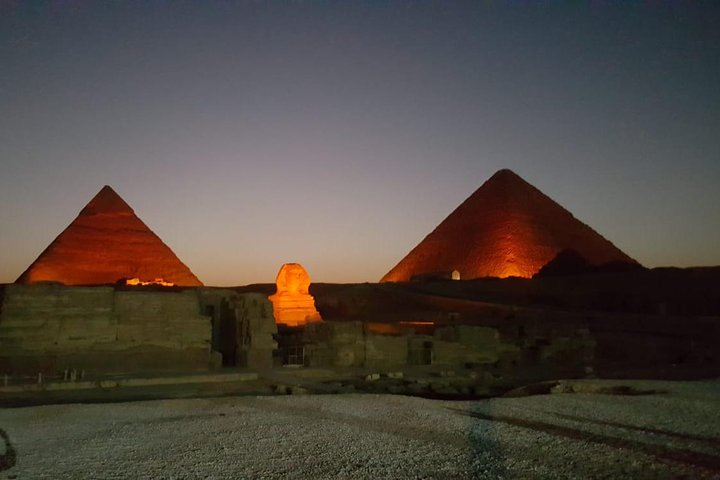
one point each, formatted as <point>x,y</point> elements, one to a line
<point>671,434</point>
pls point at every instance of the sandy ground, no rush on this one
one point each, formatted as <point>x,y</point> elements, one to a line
<point>668,435</point>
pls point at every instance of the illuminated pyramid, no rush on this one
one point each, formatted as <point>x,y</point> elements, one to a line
<point>506,228</point>
<point>107,243</point>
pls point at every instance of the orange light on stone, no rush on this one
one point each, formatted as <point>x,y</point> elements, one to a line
<point>106,242</point>
<point>157,281</point>
<point>419,327</point>
<point>292,304</point>
<point>399,328</point>
<point>518,255</point>
<point>510,271</point>
<point>417,324</point>
<point>384,328</point>
<point>506,228</point>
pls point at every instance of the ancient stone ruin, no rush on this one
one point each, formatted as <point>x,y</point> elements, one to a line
<point>106,244</point>
<point>123,309</point>
<point>507,228</point>
<point>243,327</point>
<point>49,328</point>
<point>292,303</point>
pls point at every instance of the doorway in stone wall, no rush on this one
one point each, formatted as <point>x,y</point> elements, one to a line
<point>227,334</point>
<point>295,356</point>
<point>291,349</point>
<point>420,352</point>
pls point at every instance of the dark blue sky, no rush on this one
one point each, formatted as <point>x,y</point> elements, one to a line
<point>338,134</point>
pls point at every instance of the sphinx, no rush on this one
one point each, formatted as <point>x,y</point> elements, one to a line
<point>292,303</point>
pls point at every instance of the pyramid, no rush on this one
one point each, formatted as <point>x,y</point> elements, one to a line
<point>106,243</point>
<point>506,228</point>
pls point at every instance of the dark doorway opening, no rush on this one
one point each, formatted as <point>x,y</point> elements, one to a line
<point>291,348</point>
<point>228,335</point>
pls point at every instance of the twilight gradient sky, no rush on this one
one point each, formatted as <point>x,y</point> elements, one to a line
<point>339,134</point>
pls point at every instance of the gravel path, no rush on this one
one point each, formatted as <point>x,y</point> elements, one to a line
<point>670,435</point>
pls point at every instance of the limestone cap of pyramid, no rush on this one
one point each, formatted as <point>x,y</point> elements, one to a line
<point>505,180</point>
<point>107,201</point>
<point>505,173</point>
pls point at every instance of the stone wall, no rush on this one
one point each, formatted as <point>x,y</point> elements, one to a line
<point>542,348</point>
<point>243,327</point>
<point>334,344</point>
<point>256,323</point>
<point>386,351</point>
<point>49,328</point>
<point>161,319</point>
<point>461,344</point>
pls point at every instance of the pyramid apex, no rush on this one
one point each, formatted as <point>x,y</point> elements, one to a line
<point>504,182</point>
<point>505,174</point>
<point>106,201</point>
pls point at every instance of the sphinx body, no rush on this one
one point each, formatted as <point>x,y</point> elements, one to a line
<point>292,303</point>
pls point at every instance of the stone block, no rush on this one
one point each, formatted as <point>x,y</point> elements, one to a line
<point>345,356</point>
<point>215,360</point>
<point>462,344</point>
<point>319,355</point>
<point>385,350</point>
<point>256,358</point>
<point>101,329</point>
<point>346,332</point>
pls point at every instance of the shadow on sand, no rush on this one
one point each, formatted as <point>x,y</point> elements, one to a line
<point>490,460</point>
<point>488,455</point>
<point>9,458</point>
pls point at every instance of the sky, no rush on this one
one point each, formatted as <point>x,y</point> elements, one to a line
<point>339,134</point>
